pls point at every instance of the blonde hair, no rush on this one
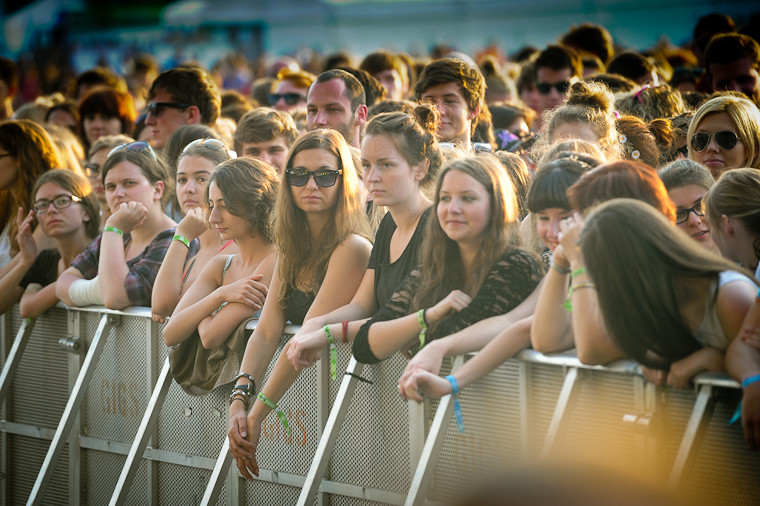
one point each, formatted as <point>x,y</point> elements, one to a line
<point>746,118</point>
<point>303,260</point>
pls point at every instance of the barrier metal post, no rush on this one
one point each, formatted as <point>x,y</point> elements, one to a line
<point>330,435</point>
<point>221,469</point>
<point>692,436</point>
<point>565,396</point>
<point>13,359</point>
<point>107,322</point>
<point>433,444</point>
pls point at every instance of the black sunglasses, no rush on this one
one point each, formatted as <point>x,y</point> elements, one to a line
<point>323,177</point>
<point>156,108</point>
<point>546,88</point>
<point>290,98</point>
<point>210,143</point>
<point>683,214</point>
<point>725,140</point>
<point>134,146</point>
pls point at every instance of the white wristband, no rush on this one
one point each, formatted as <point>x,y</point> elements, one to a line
<point>85,292</point>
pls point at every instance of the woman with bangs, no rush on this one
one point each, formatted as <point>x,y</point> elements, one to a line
<point>106,111</point>
<point>195,170</point>
<point>567,314</point>
<point>724,134</point>
<point>67,212</point>
<point>119,267</point>
<point>500,337</point>
<point>322,237</point>
<point>472,266</point>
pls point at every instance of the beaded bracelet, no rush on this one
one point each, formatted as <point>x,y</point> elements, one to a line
<point>562,270</point>
<point>113,229</point>
<point>271,405</point>
<point>568,305</point>
<point>333,352</point>
<point>182,239</point>
<point>423,326</point>
<point>248,377</point>
<point>457,406</point>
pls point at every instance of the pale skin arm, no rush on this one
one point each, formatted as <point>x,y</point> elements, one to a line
<point>344,275</point>
<point>36,300</point>
<point>195,309</point>
<point>112,265</point>
<point>414,384</point>
<point>742,362</point>
<point>167,289</point>
<point>593,345</point>
<point>552,331</point>
<point>10,292</point>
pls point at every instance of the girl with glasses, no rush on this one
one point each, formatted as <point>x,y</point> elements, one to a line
<point>725,134</point>
<point>119,267</point>
<point>67,212</point>
<point>322,237</point>
<point>195,169</point>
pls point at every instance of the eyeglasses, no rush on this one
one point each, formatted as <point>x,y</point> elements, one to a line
<point>134,146</point>
<point>210,143</point>
<point>683,214</point>
<point>324,178</point>
<point>546,88</point>
<point>156,108</point>
<point>60,202</point>
<point>725,140</point>
<point>290,98</point>
<point>92,170</point>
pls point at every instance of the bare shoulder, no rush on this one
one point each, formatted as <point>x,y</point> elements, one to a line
<point>355,243</point>
<point>733,301</point>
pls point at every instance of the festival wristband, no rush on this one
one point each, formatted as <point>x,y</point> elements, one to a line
<point>113,229</point>
<point>333,352</point>
<point>568,305</point>
<point>562,270</point>
<point>457,406</point>
<point>182,239</point>
<point>752,379</point>
<point>577,272</point>
<point>423,326</point>
<point>747,382</point>
<point>271,405</point>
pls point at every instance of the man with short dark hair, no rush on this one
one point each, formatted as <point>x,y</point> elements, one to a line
<point>336,100</point>
<point>266,134</point>
<point>457,89</point>
<point>181,96</point>
<point>732,62</point>
<point>390,70</point>
<point>555,66</point>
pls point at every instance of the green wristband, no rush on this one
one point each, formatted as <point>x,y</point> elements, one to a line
<point>333,352</point>
<point>577,272</point>
<point>423,326</point>
<point>271,405</point>
<point>182,239</point>
<point>113,229</point>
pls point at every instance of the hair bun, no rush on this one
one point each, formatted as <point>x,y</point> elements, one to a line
<point>427,117</point>
<point>594,95</point>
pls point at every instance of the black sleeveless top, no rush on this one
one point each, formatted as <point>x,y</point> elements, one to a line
<point>298,304</point>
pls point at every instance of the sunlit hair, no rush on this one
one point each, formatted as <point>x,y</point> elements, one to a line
<point>746,119</point>
<point>548,188</point>
<point>263,125</point>
<point>518,173</point>
<point>108,103</point>
<point>153,168</point>
<point>652,143</point>
<point>79,187</point>
<point>249,189</point>
<point>736,194</point>
<point>685,172</point>
<point>651,103</point>
<point>108,142</point>
<point>574,145</point>
<point>621,179</point>
<point>36,154</point>
<point>443,268</point>
<point>413,135</point>
<point>302,259</point>
<point>642,312</point>
<point>70,149</point>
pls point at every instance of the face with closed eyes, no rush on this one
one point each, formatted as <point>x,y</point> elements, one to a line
<point>547,225</point>
<point>222,220</point>
<point>464,208</point>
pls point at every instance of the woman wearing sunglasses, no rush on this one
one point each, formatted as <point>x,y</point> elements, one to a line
<point>322,235</point>
<point>725,134</point>
<point>119,267</point>
<point>67,212</point>
<point>195,170</point>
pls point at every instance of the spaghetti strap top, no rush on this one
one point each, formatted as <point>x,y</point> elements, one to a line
<point>192,262</point>
<point>224,274</point>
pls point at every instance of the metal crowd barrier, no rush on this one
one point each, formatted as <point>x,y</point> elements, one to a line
<point>90,415</point>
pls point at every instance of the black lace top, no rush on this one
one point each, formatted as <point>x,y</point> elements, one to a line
<point>511,279</point>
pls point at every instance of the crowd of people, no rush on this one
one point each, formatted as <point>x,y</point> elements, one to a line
<point>580,196</point>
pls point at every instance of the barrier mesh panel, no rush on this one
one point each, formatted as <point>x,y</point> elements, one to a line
<point>262,493</point>
<point>27,455</point>
<point>726,471</point>
<point>373,447</point>
<point>180,484</point>
<point>42,354</point>
<point>101,472</point>
<point>674,408</point>
<point>117,395</point>
<point>545,383</point>
<point>491,440</point>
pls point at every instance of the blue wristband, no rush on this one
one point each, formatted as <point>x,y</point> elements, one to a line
<point>457,406</point>
<point>752,379</point>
